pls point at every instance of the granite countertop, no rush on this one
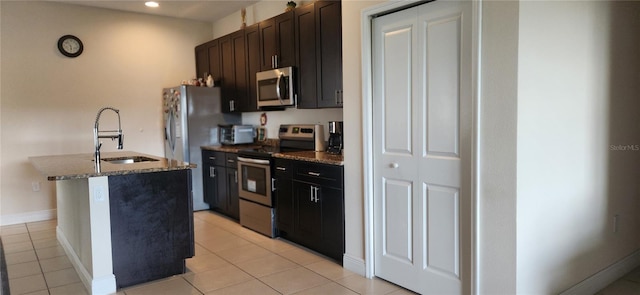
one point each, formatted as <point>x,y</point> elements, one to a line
<point>229,148</point>
<point>311,156</point>
<point>77,166</point>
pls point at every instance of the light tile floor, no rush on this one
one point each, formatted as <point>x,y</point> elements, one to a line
<point>229,259</point>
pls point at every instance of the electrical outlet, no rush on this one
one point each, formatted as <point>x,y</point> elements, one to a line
<point>35,186</point>
<point>98,192</point>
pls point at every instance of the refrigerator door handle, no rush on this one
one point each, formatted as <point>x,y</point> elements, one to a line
<point>170,132</point>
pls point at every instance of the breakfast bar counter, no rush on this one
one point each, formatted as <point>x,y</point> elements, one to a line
<point>73,166</point>
<point>129,223</point>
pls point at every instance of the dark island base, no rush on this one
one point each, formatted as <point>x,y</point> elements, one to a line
<point>151,225</point>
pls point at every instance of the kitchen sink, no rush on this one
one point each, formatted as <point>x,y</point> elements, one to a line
<point>128,160</point>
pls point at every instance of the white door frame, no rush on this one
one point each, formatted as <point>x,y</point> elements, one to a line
<point>367,117</point>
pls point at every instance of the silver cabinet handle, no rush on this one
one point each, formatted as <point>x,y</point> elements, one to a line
<point>315,190</point>
<point>394,165</point>
<point>281,168</point>
<point>230,161</point>
<point>313,173</point>
<point>311,192</point>
<point>212,158</point>
<point>212,172</point>
<point>232,105</point>
<point>275,58</point>
<point>273,184</point>
<point>236,175</point>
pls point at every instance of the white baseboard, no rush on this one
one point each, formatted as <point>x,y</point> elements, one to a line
<point>605,277</point>
<point>96,286</point>
<point>353,264</point>
<point>28,217</point>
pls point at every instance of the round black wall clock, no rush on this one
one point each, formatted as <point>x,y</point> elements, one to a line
<point>70,46</point>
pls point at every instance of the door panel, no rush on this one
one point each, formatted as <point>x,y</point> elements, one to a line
<point>398,216</point>
<point>443,243</point>
<point>421,107</point>
<point>397,91</point>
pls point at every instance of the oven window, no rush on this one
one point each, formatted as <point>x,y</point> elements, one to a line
<point>254,179</point>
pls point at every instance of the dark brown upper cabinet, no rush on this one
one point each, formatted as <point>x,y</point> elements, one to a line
<point>319,54</point>
<point>306,59</point>
<point>208,60</point>
<point>308,38</point>
<point>252,37</point>
<point>234,72</point>
<point>329,54</point>
<point>277,42</point>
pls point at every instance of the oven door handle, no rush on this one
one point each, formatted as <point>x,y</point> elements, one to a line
<point>254,161</point>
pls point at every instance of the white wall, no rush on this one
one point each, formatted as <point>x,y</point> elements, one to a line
<point>496,201</point>
<point>578,91</point>
<point>49,102</point>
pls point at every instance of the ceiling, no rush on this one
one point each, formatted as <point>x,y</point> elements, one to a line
<point>204,10</point>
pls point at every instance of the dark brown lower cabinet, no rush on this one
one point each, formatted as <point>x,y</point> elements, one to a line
<point>151,225</point>
<point>220,182</point>
<point>310,206</point>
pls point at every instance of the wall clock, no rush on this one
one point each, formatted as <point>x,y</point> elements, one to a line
<point>70,46</point>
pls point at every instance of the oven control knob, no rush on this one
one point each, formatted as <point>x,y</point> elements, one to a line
<point>393,165</point>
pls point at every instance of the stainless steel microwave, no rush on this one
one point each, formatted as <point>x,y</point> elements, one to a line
<point>276,87</point>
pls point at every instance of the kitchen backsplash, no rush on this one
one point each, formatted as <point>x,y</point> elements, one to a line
<point>294,116</point>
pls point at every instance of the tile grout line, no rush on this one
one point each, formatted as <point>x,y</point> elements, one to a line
<point>278,254</point>
<point>37,259</point>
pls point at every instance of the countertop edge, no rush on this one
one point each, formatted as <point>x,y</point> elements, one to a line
<point>309,159</point>
<point>307,156</point>
<point>75,166</point>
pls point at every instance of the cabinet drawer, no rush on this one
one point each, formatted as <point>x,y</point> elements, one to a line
<point>231,160</point>
<point>213,157</point>
<point>282,168</point>
<point>321,174</point>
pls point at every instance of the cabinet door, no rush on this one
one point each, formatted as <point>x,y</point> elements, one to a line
<point>277,48</point>
<point>267,43</point>
<point>233,200</point>
<point>221,198</point>
<point>252,37</point>
<point>214,60</point>
<point>202,60</point>
<point>329,40</point>
<point>305,44</point>
<point>227,68</point>
<point>240,100</point>
<point>331,201</point>
<point>308,215</point>
<point>284,207</point>
<point>285,46</point>
<point>209,184</point>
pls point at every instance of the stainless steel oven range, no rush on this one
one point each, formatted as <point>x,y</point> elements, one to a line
<point>255,185</point>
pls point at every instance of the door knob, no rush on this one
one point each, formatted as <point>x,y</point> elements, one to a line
<point>393,165</point>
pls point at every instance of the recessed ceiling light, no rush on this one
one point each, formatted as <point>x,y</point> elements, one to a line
<point>151,4</point>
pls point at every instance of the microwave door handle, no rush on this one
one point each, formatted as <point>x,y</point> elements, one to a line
<point>278,87</point>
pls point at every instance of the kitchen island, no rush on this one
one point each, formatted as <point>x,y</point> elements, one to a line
<point>130,223</point>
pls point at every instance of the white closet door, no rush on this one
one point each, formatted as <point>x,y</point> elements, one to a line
<point>422,123</point>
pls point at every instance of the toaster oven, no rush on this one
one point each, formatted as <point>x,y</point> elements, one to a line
<point>236,134</point>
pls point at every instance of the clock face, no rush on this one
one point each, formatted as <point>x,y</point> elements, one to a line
<point>70,46</point>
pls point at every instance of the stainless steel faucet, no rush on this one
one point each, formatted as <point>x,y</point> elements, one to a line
<point>113,134</point>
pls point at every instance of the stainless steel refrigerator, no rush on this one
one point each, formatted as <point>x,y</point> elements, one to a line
<point>191,117</point>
